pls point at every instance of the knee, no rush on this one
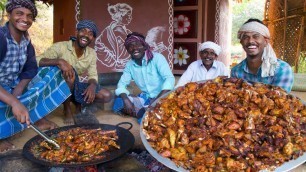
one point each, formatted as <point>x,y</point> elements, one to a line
<point>105,95</point>
<point>70,83</point>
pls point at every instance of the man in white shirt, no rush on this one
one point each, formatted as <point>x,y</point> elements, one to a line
<point>207,67</point>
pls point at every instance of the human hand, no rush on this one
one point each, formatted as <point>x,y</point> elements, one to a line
<point>70,81</point>
<point>129,107</point>
<point>90,93</point>
<point>17,91</point>
<point>66,68</point>
<point>20,87</point>
<point>21,113</point>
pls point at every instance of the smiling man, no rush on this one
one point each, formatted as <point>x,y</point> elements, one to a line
<point>74,58</point>
<point>150,72</point>
<point>261,64</point>
<point>22,95</point>
<point>207,67</point>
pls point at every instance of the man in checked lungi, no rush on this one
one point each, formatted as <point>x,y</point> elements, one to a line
<point>74,58</point>
<point>26,94</point>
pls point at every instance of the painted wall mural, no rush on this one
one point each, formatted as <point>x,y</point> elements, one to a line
<point>109,44</point>
<point>116,20</point>
<point>184,54</point>
<point>185,28</point>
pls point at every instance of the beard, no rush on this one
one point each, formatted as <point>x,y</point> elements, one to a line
<point>82,43</point>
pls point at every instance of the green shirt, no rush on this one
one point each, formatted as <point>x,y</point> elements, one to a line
<point>65,50</point>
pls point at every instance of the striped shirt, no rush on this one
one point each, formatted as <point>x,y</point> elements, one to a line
<point>17,61</point>
<point>283,75</point>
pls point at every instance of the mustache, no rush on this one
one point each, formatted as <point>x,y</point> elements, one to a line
<point>84,37</point>
<point>251,44</point>
<point>209,58</point>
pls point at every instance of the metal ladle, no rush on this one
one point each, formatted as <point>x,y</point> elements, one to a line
<point>47,138</point>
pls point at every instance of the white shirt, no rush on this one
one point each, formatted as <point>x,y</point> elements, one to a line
<point>196,71</point>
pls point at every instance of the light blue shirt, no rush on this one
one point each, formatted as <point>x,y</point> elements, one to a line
<point>151,78</point>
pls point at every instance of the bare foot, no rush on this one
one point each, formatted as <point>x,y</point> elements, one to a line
<point>5,146</point>
<point>45,124</point>
<point>68,117</point>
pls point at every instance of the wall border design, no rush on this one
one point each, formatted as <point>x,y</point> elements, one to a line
<point>170,39</point>
<point>77,11</point>
<point>217,21</point>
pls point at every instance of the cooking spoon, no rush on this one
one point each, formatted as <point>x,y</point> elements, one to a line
<point>47,138</point>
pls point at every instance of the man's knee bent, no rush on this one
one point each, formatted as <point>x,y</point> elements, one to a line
<point>104,95</point>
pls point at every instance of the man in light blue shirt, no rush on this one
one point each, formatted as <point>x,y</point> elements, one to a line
<point>151,73</point>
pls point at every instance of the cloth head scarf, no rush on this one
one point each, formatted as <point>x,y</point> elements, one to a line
<point>137,38</point>
<point>210,45</point>
<point>12,4</point>
<point>88,24</point>
<point>269,59</point>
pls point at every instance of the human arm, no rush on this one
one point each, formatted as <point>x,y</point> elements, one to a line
<point>186,77</point>
<point>90,92</point>
<point>18,90</point>
<point>166,73</point>
<point>20,112</point>
<point>124,81</point>
<point>28,72</point>
<point>65,67</point>
<point>128,105</point>
<point>51,57</point>
<point>30,67</point>
<point>3,47</point>
<point>121,90</point>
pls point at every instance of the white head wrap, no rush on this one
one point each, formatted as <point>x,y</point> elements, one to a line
<point>269,59</point>
<point>210,45</point>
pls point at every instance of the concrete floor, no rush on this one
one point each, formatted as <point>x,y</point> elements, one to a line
<point>107,117</point>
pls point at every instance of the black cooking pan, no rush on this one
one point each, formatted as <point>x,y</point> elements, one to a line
<point>125,140</point>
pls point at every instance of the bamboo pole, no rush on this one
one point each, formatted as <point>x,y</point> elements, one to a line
<point>285,27</point>
<point>299,46</point>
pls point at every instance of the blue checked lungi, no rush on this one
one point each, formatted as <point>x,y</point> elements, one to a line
<point>46,91</point>
<point>141,101</point>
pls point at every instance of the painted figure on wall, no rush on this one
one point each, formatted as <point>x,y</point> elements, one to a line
<point>109,44</point>
<point>154,39</point>
<point>113,51</point>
